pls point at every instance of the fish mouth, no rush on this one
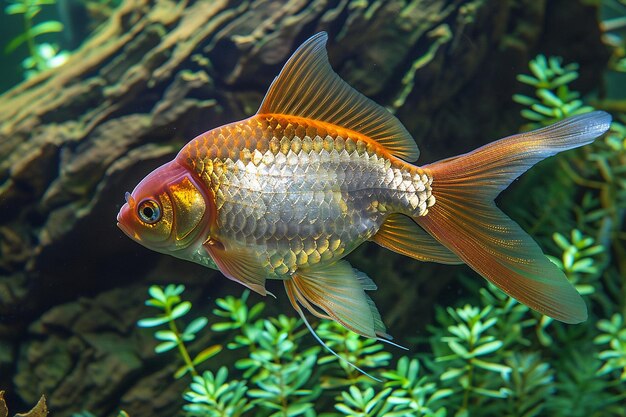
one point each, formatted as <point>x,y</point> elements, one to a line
<point>120,223</point>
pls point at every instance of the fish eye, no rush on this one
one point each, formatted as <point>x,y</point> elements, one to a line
<point>149,211</point>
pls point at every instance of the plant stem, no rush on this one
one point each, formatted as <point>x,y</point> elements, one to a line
<point>182,349</point>
<point>30,40</point>
<point>468,388</point>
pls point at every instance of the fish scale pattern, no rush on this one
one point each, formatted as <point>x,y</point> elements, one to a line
<point>298,192</point>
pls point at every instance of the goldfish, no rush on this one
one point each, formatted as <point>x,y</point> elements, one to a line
<point>320,169</point>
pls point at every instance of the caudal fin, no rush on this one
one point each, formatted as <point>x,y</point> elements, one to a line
<point>466,220</point>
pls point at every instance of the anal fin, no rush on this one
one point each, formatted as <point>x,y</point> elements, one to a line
<point>338,290</point>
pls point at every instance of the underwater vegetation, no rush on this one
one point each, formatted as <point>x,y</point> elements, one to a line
<point>42,55</point>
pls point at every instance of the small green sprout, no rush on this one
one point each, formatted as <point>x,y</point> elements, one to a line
<point>365,403</point>
<point>362,352</point>
<point>236,311</point>
<point>214,395</point>
<point>554,100</point>
<point>531,382</point>
<point>173,308</point>
<point>42,55</point>
<point>470,346</point>
<point>580,260</point>
<point>613,334</point>
<point>415,394</point>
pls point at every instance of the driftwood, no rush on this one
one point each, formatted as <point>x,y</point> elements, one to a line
<point>156,74</point>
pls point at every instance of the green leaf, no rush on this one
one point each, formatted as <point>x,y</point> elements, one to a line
<point>452,373</point>
<point>223,326</point>
<point>487,348</point>
<point>153,321</point>
<point>531,115</point>
<point>16,8</point>
<point>495,367</point>
<point>166,335</point>
<point>207,353</point>
<point>155,303</point>
<point>180,310</point>
<point>441,393</point>
<point>173,290</point>
<point>525,100</point>
<point>298,409</point>
<point>32,11</point>
<point>584,289</point>
<point>15,43</point>
<point>50,26</point>
<point>255,311</point>
<point>549,97</point>
<point>594,250</point>
<point>502,393</point>
<point>458,348</point>
<point>165,346</point>
<point>527,79</point>
<point>181,372</point>
<point>157,293</point>
<point>544,110</point>
<point>564,79</point>
<point>561,241</point>
<point>538,69</point>
<point>196,325</point>
<point>584,265</point>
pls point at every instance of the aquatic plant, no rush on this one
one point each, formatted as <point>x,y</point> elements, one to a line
<point>470,350</point>
<point>580,260</point>
<point>554,100</point>
<point>41,55</point>
<point>594,180</point>
<point>172,308</point>
<point>614,32</point>
<point>283,374</point>
<point>484,359</point>
<point>614,335</point>
<point>215,395</point>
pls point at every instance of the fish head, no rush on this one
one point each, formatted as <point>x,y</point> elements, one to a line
<point>168,211</point>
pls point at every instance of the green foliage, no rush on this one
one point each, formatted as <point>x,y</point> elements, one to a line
<point>554,100</point>
<point>580,260</point>
<point>214,395</point>
<point>613,334</point>
<point>470,349</point>
<point>42,55</point>
<point>172,308</point>
<point>530,383</point>
<point>585,197</point>
<point>614,28</point>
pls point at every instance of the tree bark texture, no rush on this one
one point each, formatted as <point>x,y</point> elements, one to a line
<point>156,74</point>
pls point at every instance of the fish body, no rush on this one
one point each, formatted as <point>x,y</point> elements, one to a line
<point>287,193</point>
<point>296,193</point>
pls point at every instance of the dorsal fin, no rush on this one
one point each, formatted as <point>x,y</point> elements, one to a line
<point>308,87</point>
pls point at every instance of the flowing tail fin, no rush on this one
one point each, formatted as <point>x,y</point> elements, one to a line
<point>466,220</point>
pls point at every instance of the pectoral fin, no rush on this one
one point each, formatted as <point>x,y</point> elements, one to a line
<point>238,265</point>
<point>338,290</point>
